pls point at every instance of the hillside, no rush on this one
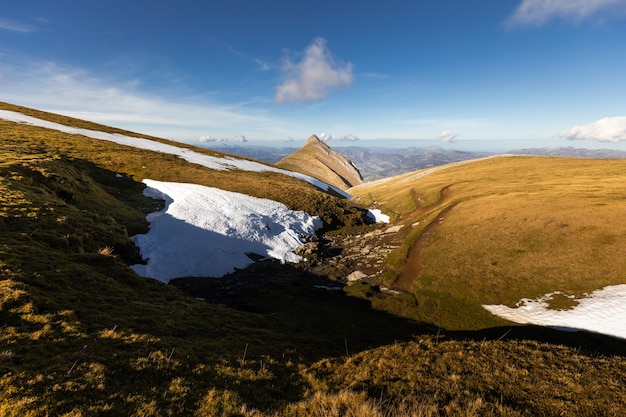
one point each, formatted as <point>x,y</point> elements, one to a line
<point>378,163</point>
<point>502,229</point>
<point>318,160</point>
<point>82,334</point>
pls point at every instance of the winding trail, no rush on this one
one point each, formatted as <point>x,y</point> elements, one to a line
<point>413,265</point>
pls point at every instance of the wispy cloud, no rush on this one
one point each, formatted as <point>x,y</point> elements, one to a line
<point>75,92</point>
<point>609,129</point>
<point>538,12</point>
<point>313,77</point>
<point>327,137</point>
<point>263,65</point>
<point>13,26</point>
<point>350,138</point>
<point>235,139</point>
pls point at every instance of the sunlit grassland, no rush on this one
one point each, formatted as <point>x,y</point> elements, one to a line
<point>24,142</point>
<point>82,335</point>
<point>496,230</point>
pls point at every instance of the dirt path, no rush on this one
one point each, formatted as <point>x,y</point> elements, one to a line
<point>413,265</point>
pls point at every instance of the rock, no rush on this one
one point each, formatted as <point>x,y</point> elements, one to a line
<point>356,276</point>
<point>307,250</point>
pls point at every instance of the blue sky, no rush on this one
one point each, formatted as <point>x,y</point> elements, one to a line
<point>495,74</point>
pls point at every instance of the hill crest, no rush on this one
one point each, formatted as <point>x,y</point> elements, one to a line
<point>318,160</point>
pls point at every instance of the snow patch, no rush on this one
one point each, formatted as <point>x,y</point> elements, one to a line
<point>377,216</point>
<point>207,232</point>
<point>188,155</point>
<point>602,311</point>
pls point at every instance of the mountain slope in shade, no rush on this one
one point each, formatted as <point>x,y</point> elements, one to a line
<point>318,160</point>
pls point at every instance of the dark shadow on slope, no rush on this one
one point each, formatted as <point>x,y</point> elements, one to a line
<point>312,312</point>
<point>320,320</point>
<point>586,342</point>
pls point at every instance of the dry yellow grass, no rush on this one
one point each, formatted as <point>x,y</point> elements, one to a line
<point>496,230</point>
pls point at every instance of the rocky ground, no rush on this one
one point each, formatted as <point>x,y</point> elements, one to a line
<point>351,258</point>
<point>332,262</point>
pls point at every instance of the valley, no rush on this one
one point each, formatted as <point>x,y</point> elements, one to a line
<point>378,319</point>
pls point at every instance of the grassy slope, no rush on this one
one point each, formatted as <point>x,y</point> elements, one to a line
<point>81,334</point>
<point>140,164</point>
<point>496,230</point>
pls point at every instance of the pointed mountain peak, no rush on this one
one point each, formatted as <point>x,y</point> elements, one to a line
<point>318,160</point>
<point>314,139</point>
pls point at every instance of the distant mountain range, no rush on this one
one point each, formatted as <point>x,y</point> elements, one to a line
<point>572,152</point>
<point>376,162</point>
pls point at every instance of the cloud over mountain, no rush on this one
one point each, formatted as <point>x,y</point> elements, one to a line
<point>349,137</point>
<point>447,136</point>
<point>313,77</point>
<point>236,138</point>
<point>609,129</point>
<point>538,12</point>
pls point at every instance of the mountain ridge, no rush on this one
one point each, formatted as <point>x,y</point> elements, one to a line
<point>317,159</point>
<point>376,163</point>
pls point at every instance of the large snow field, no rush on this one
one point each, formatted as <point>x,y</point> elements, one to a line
<point>188,155</point>
<point>602,311</point>
<point>206,232</point>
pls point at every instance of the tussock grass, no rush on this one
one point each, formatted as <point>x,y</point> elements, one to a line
<point>496,230</point>
<point>481,378</point>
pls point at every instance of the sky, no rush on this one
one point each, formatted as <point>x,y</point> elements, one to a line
<point>477,75</point>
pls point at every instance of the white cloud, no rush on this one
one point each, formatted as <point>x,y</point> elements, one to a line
<point>288,139</point>
<point>209,139</point>
<point>13,26</point>
<point>311,78</point>
<point>609,129</point>
<point>348,138</point>
<point>122,103</point>
<point>325,136</point>
<point>538,12</point>
<point>447,136</point>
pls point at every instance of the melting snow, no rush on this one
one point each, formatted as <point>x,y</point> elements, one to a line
<point>378,216</point>
<point>188,155</point>
<point>207,232</point>
<point>602,311</point>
